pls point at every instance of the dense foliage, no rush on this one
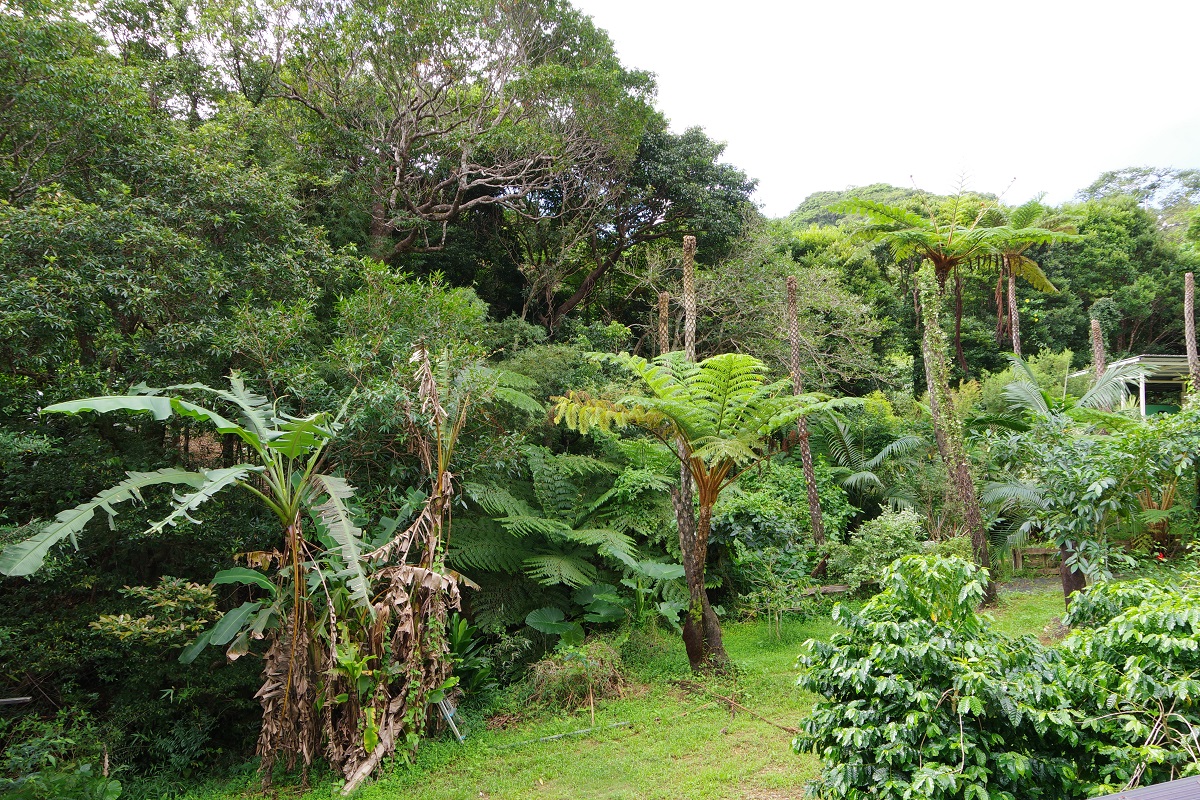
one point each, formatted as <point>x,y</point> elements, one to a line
<point>923,698</point>
<point>292,199</point>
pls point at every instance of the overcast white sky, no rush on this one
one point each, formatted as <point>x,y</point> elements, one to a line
<point>826,95</point>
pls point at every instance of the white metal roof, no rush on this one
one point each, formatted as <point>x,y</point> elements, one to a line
<point>1168,367</point>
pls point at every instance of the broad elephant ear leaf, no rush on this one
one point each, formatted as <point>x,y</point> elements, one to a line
<point>27,557</point>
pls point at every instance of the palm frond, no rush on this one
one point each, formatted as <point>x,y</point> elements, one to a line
<point>1109,388</point>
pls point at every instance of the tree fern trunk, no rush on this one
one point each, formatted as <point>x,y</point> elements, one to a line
<point>1014,317</point>
<point>664,307</point>
<point>806,462</point>
<point>1189,332</point>
<point>693,620</point>
<point>946,425</point>
<point>1097,348</point>
<point>715,657</point>
<point>958,313</point>
<point>689,297</point>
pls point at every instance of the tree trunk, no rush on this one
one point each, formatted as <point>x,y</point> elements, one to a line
<point>958,312</point>
<point>664,311</point>
<point>689,297</point>
<point>1097,348</point>
<point>1189,332</point>
<point>806,462</point>
<point>947,427</point>
<point>1072,580</point>
<point>1014,316</point>
<point>701,628</point>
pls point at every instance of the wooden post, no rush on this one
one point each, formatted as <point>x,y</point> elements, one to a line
<point>664,316</point>
<point>1189,332</point>
<point>806,462</point>
<point>689,297</point>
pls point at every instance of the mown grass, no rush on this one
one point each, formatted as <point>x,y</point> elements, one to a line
<point>682,742</point>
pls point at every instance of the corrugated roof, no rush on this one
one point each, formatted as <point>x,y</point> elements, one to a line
<point>1158,366</point>
<point>1183,789</point>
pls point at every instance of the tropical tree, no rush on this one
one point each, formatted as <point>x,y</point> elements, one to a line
<point>943,242</point>
<point>1015,263</point>
<point>949,236</point>
<point>718,416</point>
<point>339,604</point>
<point>862,473</point>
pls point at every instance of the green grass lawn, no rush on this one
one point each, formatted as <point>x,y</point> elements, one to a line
<point>681,743</point>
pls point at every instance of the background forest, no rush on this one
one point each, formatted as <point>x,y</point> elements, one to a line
<point>296,195</point>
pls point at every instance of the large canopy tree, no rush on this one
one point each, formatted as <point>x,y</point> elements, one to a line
<point>719,417</point>
<point>432,109</point>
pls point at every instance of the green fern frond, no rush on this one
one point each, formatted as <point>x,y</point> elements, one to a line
<point>487,548</point>
<point>569,568</point>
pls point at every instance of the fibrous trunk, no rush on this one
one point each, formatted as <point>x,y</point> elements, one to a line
<point>947,427</point>
<point>701,627</point>
<point>1014,318</point>
<point>689,297</point>
<point>1189,332</point>
<point>806,462</point>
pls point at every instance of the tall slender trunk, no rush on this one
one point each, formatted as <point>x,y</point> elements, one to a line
<point>1014,315</point>
<point>689,297</point>
<point>958,314</point>
<point>806,462</point>
<point>1189,333</point>
<point>947,427</point>
<point>664,307</point>
<point>701,628</point>
<point>1097,348</point>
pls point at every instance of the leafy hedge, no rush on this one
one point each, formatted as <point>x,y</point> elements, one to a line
<point>922,698</point>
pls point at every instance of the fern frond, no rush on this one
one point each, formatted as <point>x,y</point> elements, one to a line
<point>570,568</point>
<point>487,548</point>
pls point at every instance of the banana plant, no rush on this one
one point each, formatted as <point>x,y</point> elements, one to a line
<point>284,473</point>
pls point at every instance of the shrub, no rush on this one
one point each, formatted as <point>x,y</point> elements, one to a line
<point>954,547</point>
<point>923,699</point>
<point>574,676</point>
<point>874,546</point>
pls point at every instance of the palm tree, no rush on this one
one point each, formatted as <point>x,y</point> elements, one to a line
<point>1031,404</point>
<point>860,471</point>
<point>718,417</point>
